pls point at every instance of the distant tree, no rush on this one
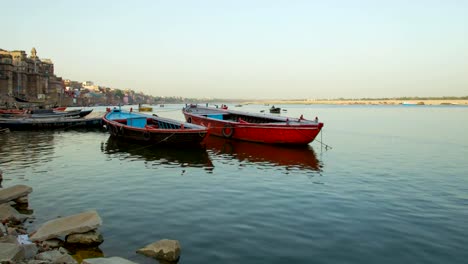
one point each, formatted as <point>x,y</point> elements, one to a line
<point>119,94</point>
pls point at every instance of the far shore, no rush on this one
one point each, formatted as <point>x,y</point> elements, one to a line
<point>365,102</point>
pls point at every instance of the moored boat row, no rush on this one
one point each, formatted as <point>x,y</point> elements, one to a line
<point>221,122</point>
<point>199,122</point>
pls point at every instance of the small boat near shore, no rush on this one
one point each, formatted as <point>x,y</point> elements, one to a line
<point>42,113</point>
<point>28,123</point>
<point>261,128</point>
<point>153,129</point>
<point>47,113</point>
<point>12,111</point>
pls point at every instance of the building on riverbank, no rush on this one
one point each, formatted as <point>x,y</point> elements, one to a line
<point>29,78</point>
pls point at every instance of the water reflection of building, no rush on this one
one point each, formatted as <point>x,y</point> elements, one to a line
<point>29,77</point>
<point>288,157</point>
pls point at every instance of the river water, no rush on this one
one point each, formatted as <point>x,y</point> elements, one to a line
<point>392,189</point>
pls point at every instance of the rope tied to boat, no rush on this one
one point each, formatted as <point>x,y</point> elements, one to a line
<point>321,142</point>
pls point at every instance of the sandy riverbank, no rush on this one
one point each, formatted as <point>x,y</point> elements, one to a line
<point>366,102</point>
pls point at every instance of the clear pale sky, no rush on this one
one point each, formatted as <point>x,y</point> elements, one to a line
<point>250,49</point>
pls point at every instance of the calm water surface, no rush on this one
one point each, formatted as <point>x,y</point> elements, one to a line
<point>394,189</point>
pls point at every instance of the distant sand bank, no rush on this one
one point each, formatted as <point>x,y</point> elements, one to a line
<point>366,102</point>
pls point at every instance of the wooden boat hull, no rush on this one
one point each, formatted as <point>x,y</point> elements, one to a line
<point>12,111</point>
<point>84,113</point>
<point>45,113</point>
<point>261,128</point>
<point>169,132</point>
<point>50,123</point>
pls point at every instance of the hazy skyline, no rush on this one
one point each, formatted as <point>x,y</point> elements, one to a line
<point>250,49</point>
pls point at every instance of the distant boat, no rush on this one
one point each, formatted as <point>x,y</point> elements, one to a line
<point>144,108</point>
<point>238,105</point>
<point>275,110</point>
<point>20,100</point>
<point>261,128</point>
<point>409,103</point>
<point>153,129</point>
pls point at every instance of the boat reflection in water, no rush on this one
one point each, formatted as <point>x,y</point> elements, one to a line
<point>303,157</point>
<point>161,155</point>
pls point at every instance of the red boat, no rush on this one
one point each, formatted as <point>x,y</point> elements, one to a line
<point>253,127</point>
<point>12,111</point>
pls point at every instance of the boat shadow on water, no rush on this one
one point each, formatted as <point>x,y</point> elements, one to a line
<point>300,157</point>
<point>192,157</point>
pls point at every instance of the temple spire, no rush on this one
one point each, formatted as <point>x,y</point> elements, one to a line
<point>33,53</point>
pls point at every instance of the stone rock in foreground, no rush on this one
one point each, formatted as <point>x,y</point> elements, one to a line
<point>53,243</point>
<point>56,256</point>
<point>165,249</point>
<point>14,192</point>
<point>9,252</point>
<point>79,223</point>
<point>112,260</point>
<point>8,213</point>
<point>91,238</point>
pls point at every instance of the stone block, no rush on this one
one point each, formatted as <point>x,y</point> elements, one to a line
<point>79,223</point>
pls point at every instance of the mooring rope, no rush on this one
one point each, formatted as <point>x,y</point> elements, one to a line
<point>321,141</point>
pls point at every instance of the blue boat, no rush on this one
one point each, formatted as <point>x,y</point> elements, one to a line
<point>153,129</point>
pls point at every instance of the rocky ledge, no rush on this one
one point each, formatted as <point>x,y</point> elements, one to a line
<point>50,242</point>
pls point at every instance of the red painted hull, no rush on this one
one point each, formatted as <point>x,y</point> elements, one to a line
<point>62,108</point>
<point>289,131</point>
<point>12,111</point>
